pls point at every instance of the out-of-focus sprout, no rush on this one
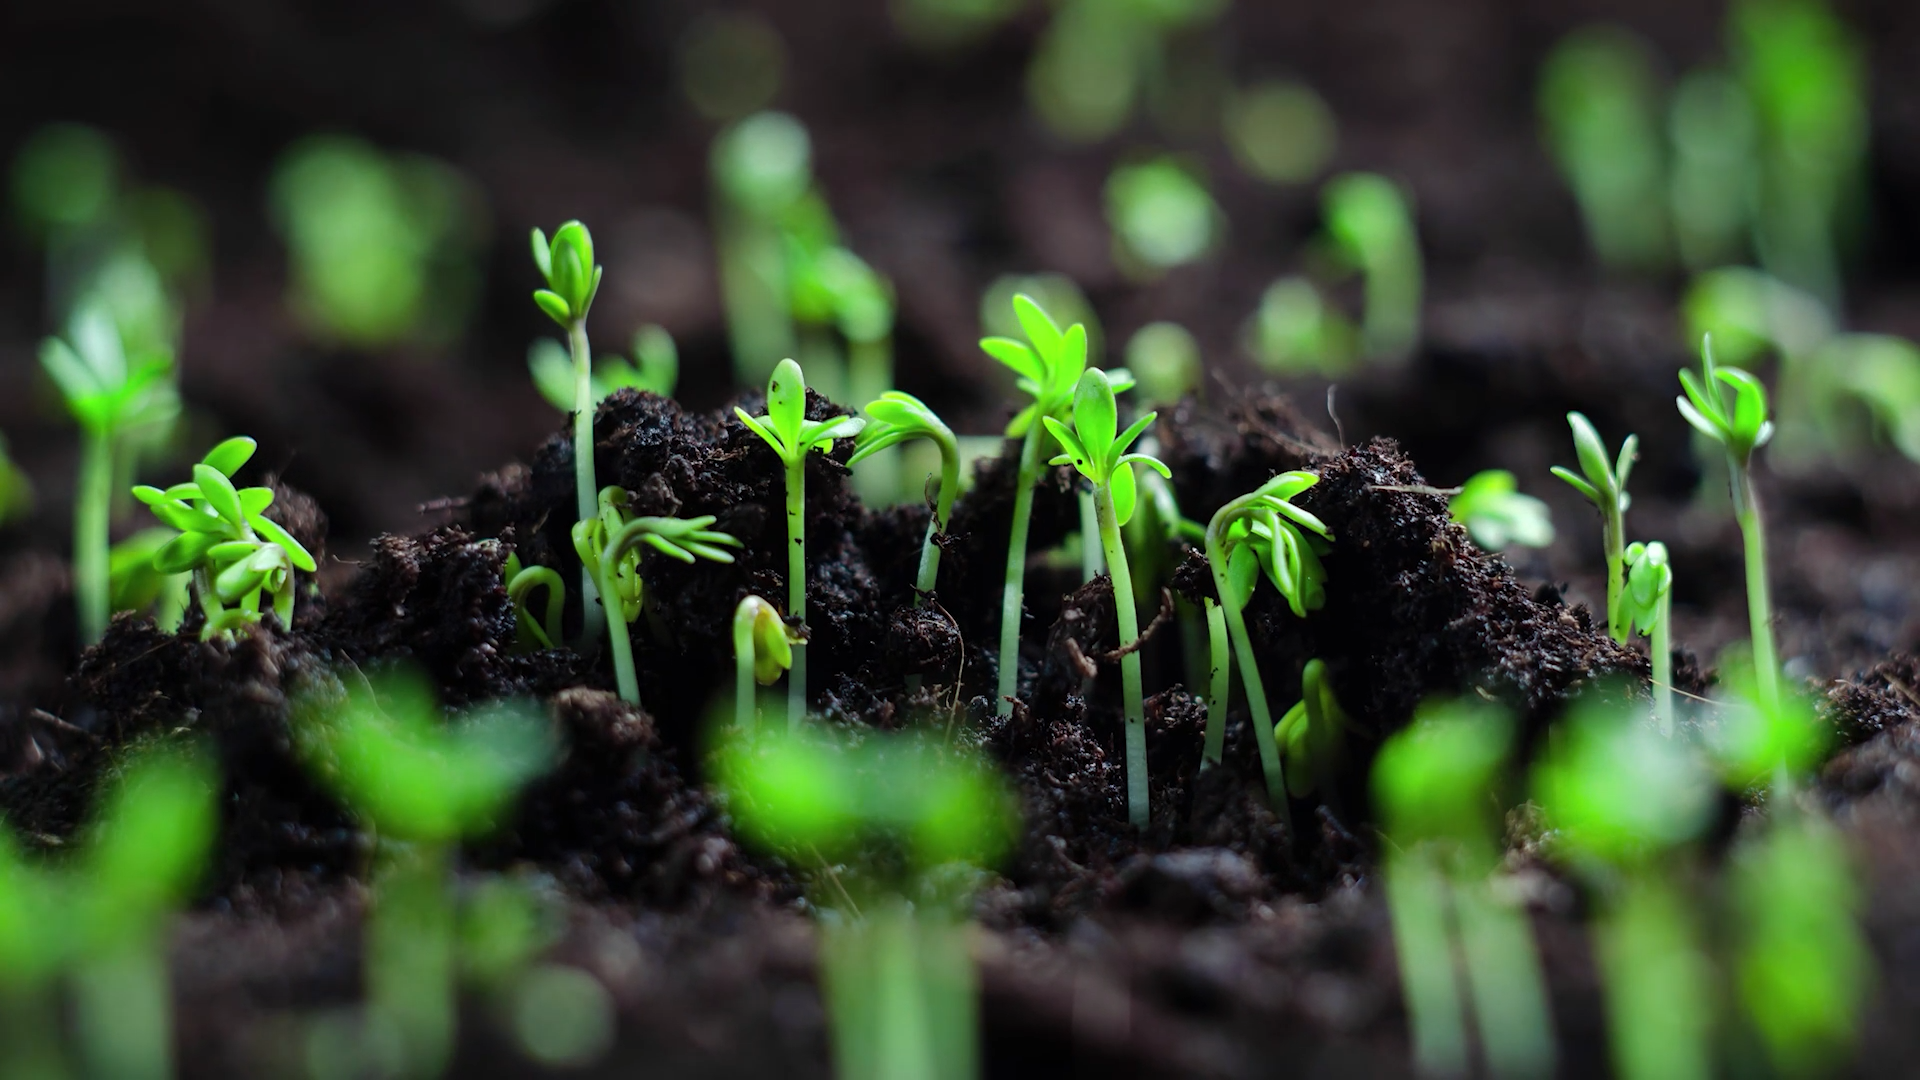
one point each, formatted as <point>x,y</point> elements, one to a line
<point>836,290</point>
<point>1600,106</point>
<point>1624,802</point>
<point>944,24</point>
<point>899,825</point>
<point>1162,216</point>
<point>1496,515</point>
<point>1165,361</point>
<point>65,176</point>
<point>1748,313</point>
<point>1369,219</point>
<point>731,64</point>
<point>1296,332</point>
<point>1802,964</point>
<point>1312,735</point>
<point>382,246</point>
<point>1097,58</point>
<point>762,168</point>
<point>1280,132</point>
<point>422,782</point>
<point>1806,75</point>
<point>1882,373</point>
<point>1763,741</point>
<point>655,368</point>
<point>16,490</point>
<point>1711,126</point>
<point>1432,786</point>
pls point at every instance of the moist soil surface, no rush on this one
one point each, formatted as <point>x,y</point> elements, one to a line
<point>1220,940</point>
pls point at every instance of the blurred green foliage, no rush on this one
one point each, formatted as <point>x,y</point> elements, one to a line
<point>1162,216</point>
<point>1280,132</point>
<point>731,64</point>
<point>1495,513</point>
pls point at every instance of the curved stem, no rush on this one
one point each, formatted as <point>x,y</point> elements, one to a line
<point>929,575</point>
<point>797,583</point>
<point>1219,685</point>
<point>1010,599</point>
<point>586,491</point>
<point>1130,692</point>
<point>91,536</point>
<point>617,641</point>
<point>1250,679</point>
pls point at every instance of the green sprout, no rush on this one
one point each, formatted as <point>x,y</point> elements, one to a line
<point>1312,734</point>
<point>1600,105</point>
<point>1261,531</point>
<point>655,368</point>
<point>1491,508</point>
<point>1092,448</point>
<point>237,555</point>
<point>893,418</point>
<point>1648,600</point>
<point>841,291</point>
<point>1762,743</point>
<point>1881,373</point>
<point>1431,783</point>
<point>381,245</point>
<point>1369,219</point>
<point>1280,132</point>
<point>897,824</point>
<point>1162,216</point>
<point>1802,967</point>
<point>1098,57</point>
<point>1605,486</point>
<point>609,544</point>
<point>1165,362</point>
<point>1714,136</point>
<point>1296,331</point>
<point>421,783</point>
<point>113,395</point>
<point>1623,803</point>
<point>762,652</point>
<point>530,632</point>
<point>1806,75</point>
<point>787,431</point>
<point>1741,427</point>
<point>573,279</point>
<point>762,169</point>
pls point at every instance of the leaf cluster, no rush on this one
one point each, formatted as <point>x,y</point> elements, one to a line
<point>1740,425</point>
<point>896,417</point>
<point>1049,368</point>
<point>1091,446</point>
<point>1495,513</point>
<point>1649,582</point>
<point>224,533</point>
<point>611,539</point>
<point>1264,531</point>
<point>1605,483</point>
<point>107,390</point>
<point>573,278</point>
<point>785,426</point>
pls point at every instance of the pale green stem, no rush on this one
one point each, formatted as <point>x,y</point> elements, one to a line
<point>929,574</point>
<point>753,282</point>
<point>618,641</point>
<point>410,968</point>
<point>91,537</point>
<point>1010,600</point>
<point>797,584</point>
<point>1250,679</point>
<point>1417,896</point>
<point>124,1012</point>
<point>29,1032</point>
<point>1219,685</point>
<point>1766,667</point>
<point>1614,530</point>
<point>586,490</point>
<point>1503,974</point>
<point>1662,648</point>
<point>1134,709</point>
<point>1658,990</point>
<point>1391,323</point>
<point>1091,565</point>
<point>745,689</point>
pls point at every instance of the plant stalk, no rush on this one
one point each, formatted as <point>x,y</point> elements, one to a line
<point>586,490</point>
<point>1662,649</point>
<point>91,537</point>
<point>1766,666</point>
<point>1614,538</point>
<point>618,641</point>
<point>1130,694</point>
<point>1255,687</point>
<point>745,691</point>
<point>797,585</point>
<point>929,575</point>
<point>1011,599</point>
<point>410,957</point>
<point>1091,565</point>
<point>1219,685</point>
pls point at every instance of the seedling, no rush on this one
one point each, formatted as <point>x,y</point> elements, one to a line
<point>894,824</point>
<point>1262,531</point>
<point>655,369</point>
<point>1312,734</point>
<point>1092,448</point>
<point>762,652</point>
<point>112,394</point>
<point>237,555</point>
<point>573,279</point>
<point>1713,130</point>
<point>530,632</point>
<point>894,418</point>
<point>762,167</point>
<point>1649,608</point>
<point>1165,360</point>
<point>1296,331</point>
<point>1162,216</point>
<point>1097,58</point>
<point>1496,515</point>
<point>1370,221</point>
<point>1740,425</point>
<point>1624,802</point>
<point>1605,486</point>
<point>1280,132</point>
<point>609,546</point>
<point>421,784</point>
<point>786,429</point>
<point>136,585</point>
<point>1431,785</point>
<point>1764,744</point>
<point>1600,105</point>
<point>844,293</point>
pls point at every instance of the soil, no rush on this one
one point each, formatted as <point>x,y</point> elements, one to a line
<point>1217,941</point>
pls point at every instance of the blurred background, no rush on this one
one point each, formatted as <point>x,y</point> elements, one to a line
<point>323,206</point>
